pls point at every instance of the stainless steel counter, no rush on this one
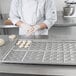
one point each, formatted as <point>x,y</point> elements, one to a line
<point>59,33</point>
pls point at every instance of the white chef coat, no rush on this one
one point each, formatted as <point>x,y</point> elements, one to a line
<point>33,12</point>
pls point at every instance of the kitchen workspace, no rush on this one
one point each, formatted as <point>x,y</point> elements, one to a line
<point>36,44</point>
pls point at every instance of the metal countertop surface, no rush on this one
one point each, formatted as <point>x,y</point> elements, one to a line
<point>59,33</point>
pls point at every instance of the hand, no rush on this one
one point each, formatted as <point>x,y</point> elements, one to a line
<point>32,29</point>
<point>19,23</point>
<point>23,29</point>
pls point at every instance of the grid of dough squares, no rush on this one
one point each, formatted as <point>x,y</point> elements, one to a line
<point>44,52</point>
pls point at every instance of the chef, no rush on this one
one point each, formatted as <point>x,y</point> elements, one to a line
<point>33,17</point>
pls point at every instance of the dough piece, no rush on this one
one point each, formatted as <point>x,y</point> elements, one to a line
<point>2,42</point>
<point>22,44</point>
<point>12,37</point>
<point>28,44</point>
<point>19,42</point>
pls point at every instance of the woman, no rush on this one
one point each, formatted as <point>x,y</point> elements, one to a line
<point>33,17</point>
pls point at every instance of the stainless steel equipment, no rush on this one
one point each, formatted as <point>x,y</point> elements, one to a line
<point>70,9</point>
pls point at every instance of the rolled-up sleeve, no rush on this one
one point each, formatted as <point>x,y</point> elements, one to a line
<point>50,13</point>
<point>13,14</point>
